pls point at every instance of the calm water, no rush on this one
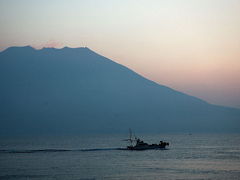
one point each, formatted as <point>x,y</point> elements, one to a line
<point>196,156</point>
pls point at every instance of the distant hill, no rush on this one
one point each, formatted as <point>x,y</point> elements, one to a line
<point>75,90</point>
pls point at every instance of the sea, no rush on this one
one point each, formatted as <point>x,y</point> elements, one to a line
<point>103,156</point>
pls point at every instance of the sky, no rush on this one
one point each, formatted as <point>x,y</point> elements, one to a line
<point>189,45</point>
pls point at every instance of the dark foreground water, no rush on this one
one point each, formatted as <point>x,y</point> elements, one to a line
<point>196,156</point>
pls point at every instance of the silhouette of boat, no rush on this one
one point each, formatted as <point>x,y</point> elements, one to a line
<point>138,144</point>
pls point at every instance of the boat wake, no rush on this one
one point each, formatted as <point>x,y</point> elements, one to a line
<point>57,150</point>
<point>28,151</point>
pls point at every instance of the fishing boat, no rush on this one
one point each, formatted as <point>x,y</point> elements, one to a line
<point>138,144</point>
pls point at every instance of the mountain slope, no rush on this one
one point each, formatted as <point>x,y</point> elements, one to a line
<point>75,90</point>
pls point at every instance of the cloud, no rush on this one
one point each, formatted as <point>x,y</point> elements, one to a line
<point>53,44</point>
<point>49,44</point>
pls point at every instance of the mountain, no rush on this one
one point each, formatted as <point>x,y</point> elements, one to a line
<point>75,90</point>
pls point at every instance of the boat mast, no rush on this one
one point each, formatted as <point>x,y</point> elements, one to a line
<point>130,136</point>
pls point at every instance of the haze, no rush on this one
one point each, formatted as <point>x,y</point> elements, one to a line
<point>192,46</point>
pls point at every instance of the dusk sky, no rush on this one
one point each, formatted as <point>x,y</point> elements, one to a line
<point>190,45</point>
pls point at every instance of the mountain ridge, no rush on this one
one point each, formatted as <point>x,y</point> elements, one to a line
<point>77,90</point>
<point>88,49</point>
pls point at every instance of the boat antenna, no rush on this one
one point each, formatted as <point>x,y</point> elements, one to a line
<point>131,138</point>
<point>130,135</point>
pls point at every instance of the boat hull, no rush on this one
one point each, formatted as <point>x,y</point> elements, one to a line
<point>146,147</point>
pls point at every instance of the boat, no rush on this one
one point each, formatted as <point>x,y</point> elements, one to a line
<point>138,144</point>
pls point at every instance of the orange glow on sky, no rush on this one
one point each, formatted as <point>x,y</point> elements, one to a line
<point>192,46</point>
